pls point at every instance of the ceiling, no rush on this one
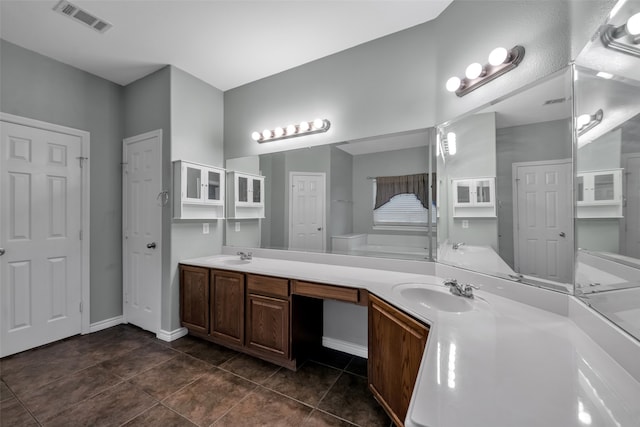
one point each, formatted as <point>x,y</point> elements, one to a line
<point>224,43</point>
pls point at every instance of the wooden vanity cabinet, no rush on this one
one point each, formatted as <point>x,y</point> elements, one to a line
<point>194,298</point>
<point>227,307</point>
<point>396,346</point>
<point>268,314</point>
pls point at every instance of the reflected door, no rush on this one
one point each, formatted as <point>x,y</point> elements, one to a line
<point>40,270</point>
<point>307,211</point>
<point>543,220</point>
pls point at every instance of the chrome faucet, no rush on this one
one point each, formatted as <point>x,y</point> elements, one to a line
<point>245,256</point>
<point>459,289</point>
<point>457,245</point>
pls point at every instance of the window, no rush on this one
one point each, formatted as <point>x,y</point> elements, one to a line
<point>401,210</point>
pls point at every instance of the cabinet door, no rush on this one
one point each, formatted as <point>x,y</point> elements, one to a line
<point>396,345</point>
<point>227,306</point>
<point>268,325</point>
<point>192,187</point>
<point>462,193</point>
<point>214,186</point>
<point>194,297</point>
<point>242,189</point>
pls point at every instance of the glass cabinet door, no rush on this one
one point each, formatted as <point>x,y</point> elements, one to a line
<point>483,191</point>
<point>463,192</point>
<point>213,186</point>
<point>603,188</point>
<point>194,184</point>
<point>257,193</point>
<point>243,189</point>
<point>580,195</point>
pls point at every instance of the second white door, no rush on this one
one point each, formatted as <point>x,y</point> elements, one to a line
<point>307,211</point>
<point>142,226</point>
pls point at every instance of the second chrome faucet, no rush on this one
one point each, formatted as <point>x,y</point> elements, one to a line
<point>460,289</point>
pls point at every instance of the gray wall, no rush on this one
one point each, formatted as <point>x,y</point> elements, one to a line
<point>389,163</point>
<point>196,135</point>
<point>37,87</point>
<point>476,157</point>
<point>147,108</point>
<point>340,219</point>
<point>528,143</point>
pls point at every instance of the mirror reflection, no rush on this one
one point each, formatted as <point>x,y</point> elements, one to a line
<point>367,197</point>
<point>504,187</point>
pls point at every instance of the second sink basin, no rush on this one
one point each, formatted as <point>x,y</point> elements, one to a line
<point>236,261</point>
<point>431,297</point>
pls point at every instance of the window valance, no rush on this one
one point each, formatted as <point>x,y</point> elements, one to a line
<point>389,186</point>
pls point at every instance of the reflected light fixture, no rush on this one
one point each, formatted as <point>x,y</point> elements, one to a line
<point>624,38</point>
<point>446,144</point>
<point>291,131</point>
<point>501,61</point>
<point>586,122</point>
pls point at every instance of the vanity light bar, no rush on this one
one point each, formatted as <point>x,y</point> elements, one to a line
<point>501,61</point>
<point>292,131</point>
<point>586,122</point>
<point>630,30</point>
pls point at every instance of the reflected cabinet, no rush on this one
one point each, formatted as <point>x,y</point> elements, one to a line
<point>198,191</point>
<point>599,194</point>
<point>246,196</point>
<point>474,197</point>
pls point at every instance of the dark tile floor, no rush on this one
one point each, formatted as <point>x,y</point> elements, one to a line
<point>125,376</point>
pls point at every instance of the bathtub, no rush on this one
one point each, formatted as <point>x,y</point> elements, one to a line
<point>381,245</point>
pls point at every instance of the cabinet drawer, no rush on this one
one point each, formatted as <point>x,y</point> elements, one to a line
<point>317,290</point>
<point>264,285</point>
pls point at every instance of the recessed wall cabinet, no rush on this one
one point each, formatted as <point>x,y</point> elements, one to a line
<point>198,191</point>
<point>396,345</point>
<point>599,194</point>
<point>246,196</point>
<point>474,197</point>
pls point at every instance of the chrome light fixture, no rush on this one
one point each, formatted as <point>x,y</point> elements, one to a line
<point>292,131</point>
<point>624,38</point>
<point>500,61</point>
<point>586,122</point>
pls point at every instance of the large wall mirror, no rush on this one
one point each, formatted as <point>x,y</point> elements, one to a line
<point>323,199</point>
<point>504,187</point>
<point>607,91</point>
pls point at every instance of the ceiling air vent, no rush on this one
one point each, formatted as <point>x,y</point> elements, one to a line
<point>79,15</point>
<point>554,101</point>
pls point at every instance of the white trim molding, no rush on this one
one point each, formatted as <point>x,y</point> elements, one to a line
<point>85,138</point>
<point>106,323</point>
<point>346,347</point>
<point>169,336</point>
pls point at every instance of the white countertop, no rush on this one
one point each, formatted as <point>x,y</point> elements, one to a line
<point>501,363</point>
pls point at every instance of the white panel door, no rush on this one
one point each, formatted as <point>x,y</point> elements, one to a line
<point>41,268</point>
<point>544,234</point>
<point>142,226</point>
<point>307,211</point>
<point>631,234</point>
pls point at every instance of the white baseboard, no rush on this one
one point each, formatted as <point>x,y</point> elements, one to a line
<point>171,335</point>
<point>104,324</point>
<point>345,346</point>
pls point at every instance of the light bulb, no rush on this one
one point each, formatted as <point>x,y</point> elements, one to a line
<point>318,124</point>
<point>255,136</point>
<point>291,129</point>
<point>266,134</point>
<point>633,25</point>
<point>278,132</point>
<point>473,71</point>
<point>304,126</point>
<point>453,84</point>
<point>498,56</point>
<point>583,120</point>
<point>451,139</point>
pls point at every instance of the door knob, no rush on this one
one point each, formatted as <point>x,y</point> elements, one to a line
<point>1,251</point>
<point>319,228</point>
<point>562,234</point>
<point>151,245</point>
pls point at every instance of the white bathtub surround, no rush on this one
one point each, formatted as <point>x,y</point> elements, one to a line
<point>500,362</point>
<point>382,245</point>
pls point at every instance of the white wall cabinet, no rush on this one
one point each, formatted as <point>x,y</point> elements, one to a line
<point>599,194</point>
<point>474,197</point>
<point>199,191</point>
<point>246,195</point>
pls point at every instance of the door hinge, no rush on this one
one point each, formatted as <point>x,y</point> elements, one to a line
<point>80,306</point>
<point>80,234</point>
<point>81,159</point>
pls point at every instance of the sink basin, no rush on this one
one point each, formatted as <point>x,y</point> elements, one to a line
<point>433,298</point>
<point>236,261</point>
